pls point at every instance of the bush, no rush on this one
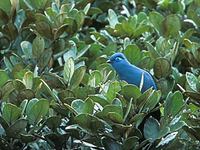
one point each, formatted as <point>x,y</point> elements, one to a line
<point>58,92</point>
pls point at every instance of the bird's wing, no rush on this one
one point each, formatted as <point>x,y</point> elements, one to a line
<point>148,81</point>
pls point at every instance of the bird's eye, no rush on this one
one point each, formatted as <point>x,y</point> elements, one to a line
<point>118,58</point>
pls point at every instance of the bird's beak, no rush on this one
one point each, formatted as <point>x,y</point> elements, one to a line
<point>108,61</point>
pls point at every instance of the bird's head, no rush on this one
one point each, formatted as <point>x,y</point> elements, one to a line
<point>118,60</point>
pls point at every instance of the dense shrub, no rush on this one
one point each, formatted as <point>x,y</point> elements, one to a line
<point>58,92</point>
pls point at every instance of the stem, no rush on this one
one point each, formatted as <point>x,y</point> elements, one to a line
<point>128,110</point>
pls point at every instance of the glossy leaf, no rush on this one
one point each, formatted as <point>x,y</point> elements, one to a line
<point>112,18</point>
<point>38,110</point>
<point>89,122</point>
<point>27,49</point>
<point>114,87</point>
<point>18,127</point>
<point>83,107</point>
<point>171,26</point>
<point>77,76</point>
<point>131,91</point>
<point>6,6</point>
<point>174,103</point>
<point>151,129</point>
<point>191,80</point>
<point>28,80</point>
<point>11,113</point>
<point>162,68</point>
<point>68,70</point>
<point>4,77</point>
<point>156,19</point>
<point>38,46</point>
<point>133,54</point>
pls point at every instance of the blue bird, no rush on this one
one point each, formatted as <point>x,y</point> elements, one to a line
<point>130,73</point>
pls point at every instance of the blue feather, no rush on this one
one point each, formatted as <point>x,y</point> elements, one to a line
<point>131,73</point>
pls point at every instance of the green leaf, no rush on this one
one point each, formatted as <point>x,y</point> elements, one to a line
<point>151,129</point>
<point>87,8</point>
<point>45,58</point>
<point>44,29</point>
<point>8,63</point>
<point>77,77</point>
<point>6,6</point>
<point>175,125</point>
<point>112,18</point>
<point>130,91</point>
<point>115,117</point>
<point>3,123</point>
<point>113,88</point>
<point>83,51</point>
<point>153,52</point>
<point>162,68</point>
<point>99,98</point>
<point>174,103</point>
<point>110,144</point>
<point>4,17</point>
<point>35,4</point>
<point>4,77</point>
<point>18,72</point>
<point>53,122</point>
<point>20,18</point>
<point>15,129</point>
<point>133,53</point>
<point>28,80</point>
<point>112,113</point>
<point>11,113</point>
<point>7,89</point>
<point>143,98</point>
<point>30,104</point>
<point>95,78</point>
<point>152,101</point>
<point>61,30</point>
<point>89,122</point>
<point>191,80</point>
<point>37,111</point>
<point>171,26</point>
<point>52,15</point>
<point>68,70</point>
<point>78,16</point>
<point>164,131</point>
<point>38,46</point>
<point>193,12</point>
<point>131,143</point>
<point>10,30</point>
<point>48,90</point>
<point>64,111</point>
<point>83,106</point>
<point>165,86</point>
<point>156,19</point>
<point>141,29</point>
<point>27,49</point>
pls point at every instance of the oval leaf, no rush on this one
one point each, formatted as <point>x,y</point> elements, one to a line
<point>68,69</point>
<point>151,129</point>
<point>38,110</point>
<point>11,113</point>
<point>162,68</point>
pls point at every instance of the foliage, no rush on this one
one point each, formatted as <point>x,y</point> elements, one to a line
<point>57,91</point>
